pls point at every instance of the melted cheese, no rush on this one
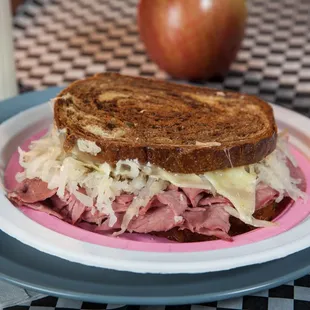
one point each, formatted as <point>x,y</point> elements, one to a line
<point>182,180</point>
<point>237,185</point>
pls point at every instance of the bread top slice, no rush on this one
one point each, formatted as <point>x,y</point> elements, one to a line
<point>183,129</point>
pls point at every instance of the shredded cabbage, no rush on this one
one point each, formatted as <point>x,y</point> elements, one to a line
<point>273,171</point>
<point>152,187</point>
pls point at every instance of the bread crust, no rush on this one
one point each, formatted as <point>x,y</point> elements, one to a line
<point>180,128</point>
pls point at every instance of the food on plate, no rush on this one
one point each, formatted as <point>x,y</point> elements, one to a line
<point>128,154</point>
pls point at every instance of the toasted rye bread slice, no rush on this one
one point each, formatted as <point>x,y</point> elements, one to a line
<point>183,129</point>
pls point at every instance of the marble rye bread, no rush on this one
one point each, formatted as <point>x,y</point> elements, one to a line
<point>183,129</point>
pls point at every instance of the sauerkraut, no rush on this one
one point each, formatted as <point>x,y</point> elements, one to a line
<point>97,185</point>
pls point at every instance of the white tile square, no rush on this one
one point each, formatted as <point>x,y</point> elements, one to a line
<point>302,293</point>
<point>39,308</point>
<point>197,307</point>
<point>96,68</point>
<point>280,304</point>
<point>130,71</point>
<point>235,303</point>
<point>69,303</point>
<point>303,87</point>
<point>75,74</point>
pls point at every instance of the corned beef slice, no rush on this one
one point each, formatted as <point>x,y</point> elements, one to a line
<point>264,195</point>
<point>33,190</point>
<point>42,207</point>
<point>210,221</point>
<point>186,208</point>
<point>194,195</point>
<point>74,207</point>
<point>161,218</point>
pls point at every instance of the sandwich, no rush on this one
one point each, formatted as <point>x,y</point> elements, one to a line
<point>135,155</point>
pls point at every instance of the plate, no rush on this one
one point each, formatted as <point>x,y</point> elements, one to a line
<point>54,276</point>
<point>131,256</point>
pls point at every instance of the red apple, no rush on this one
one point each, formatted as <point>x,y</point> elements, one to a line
<point>192,39</point>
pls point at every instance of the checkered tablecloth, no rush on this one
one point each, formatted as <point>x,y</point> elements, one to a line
<point>294,295</point>
<point>60,41</point>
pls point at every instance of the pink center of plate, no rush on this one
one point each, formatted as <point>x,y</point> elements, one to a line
<point>291,217</point>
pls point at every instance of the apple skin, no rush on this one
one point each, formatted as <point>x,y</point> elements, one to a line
<point>192,39</point>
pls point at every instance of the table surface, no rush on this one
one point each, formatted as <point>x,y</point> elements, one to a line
<point>58,42</point>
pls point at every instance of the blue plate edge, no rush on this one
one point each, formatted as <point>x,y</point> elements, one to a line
<point>193,299</point>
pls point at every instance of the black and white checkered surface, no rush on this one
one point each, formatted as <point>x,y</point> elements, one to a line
<point>58,41</point>
<point>292,296</point>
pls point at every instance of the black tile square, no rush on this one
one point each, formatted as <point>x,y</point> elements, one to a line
<point>302,110</point>
<point>282,101</point>
<point>279,39</point>
<point>107,49</point>
<point>217,79</point>
<point>236,73</point>
<point>45,302</point>
<point>285,26</point>
<point>259,54</point>
<point>290,70</point>
<point>147,73</point>
<point>92,305</point>
<point>301,305</point>
<point>255,303</point>
<point>287,106</point>
<point>138,52</point>
<point>17,308</point>
<point>62,308</point>
<point>295,45</point>
<point>133,308</point>
<point>120,57</point>
<point>304,281</point>
<point>268,18</point>
<point>133,65</point>
<point>209,304</point>
<point>113,70</point>
<point>263,41</point>
<point>292,57</point>
<point>282,291</point>
<point>234,88</point>
<point>79,65</point>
